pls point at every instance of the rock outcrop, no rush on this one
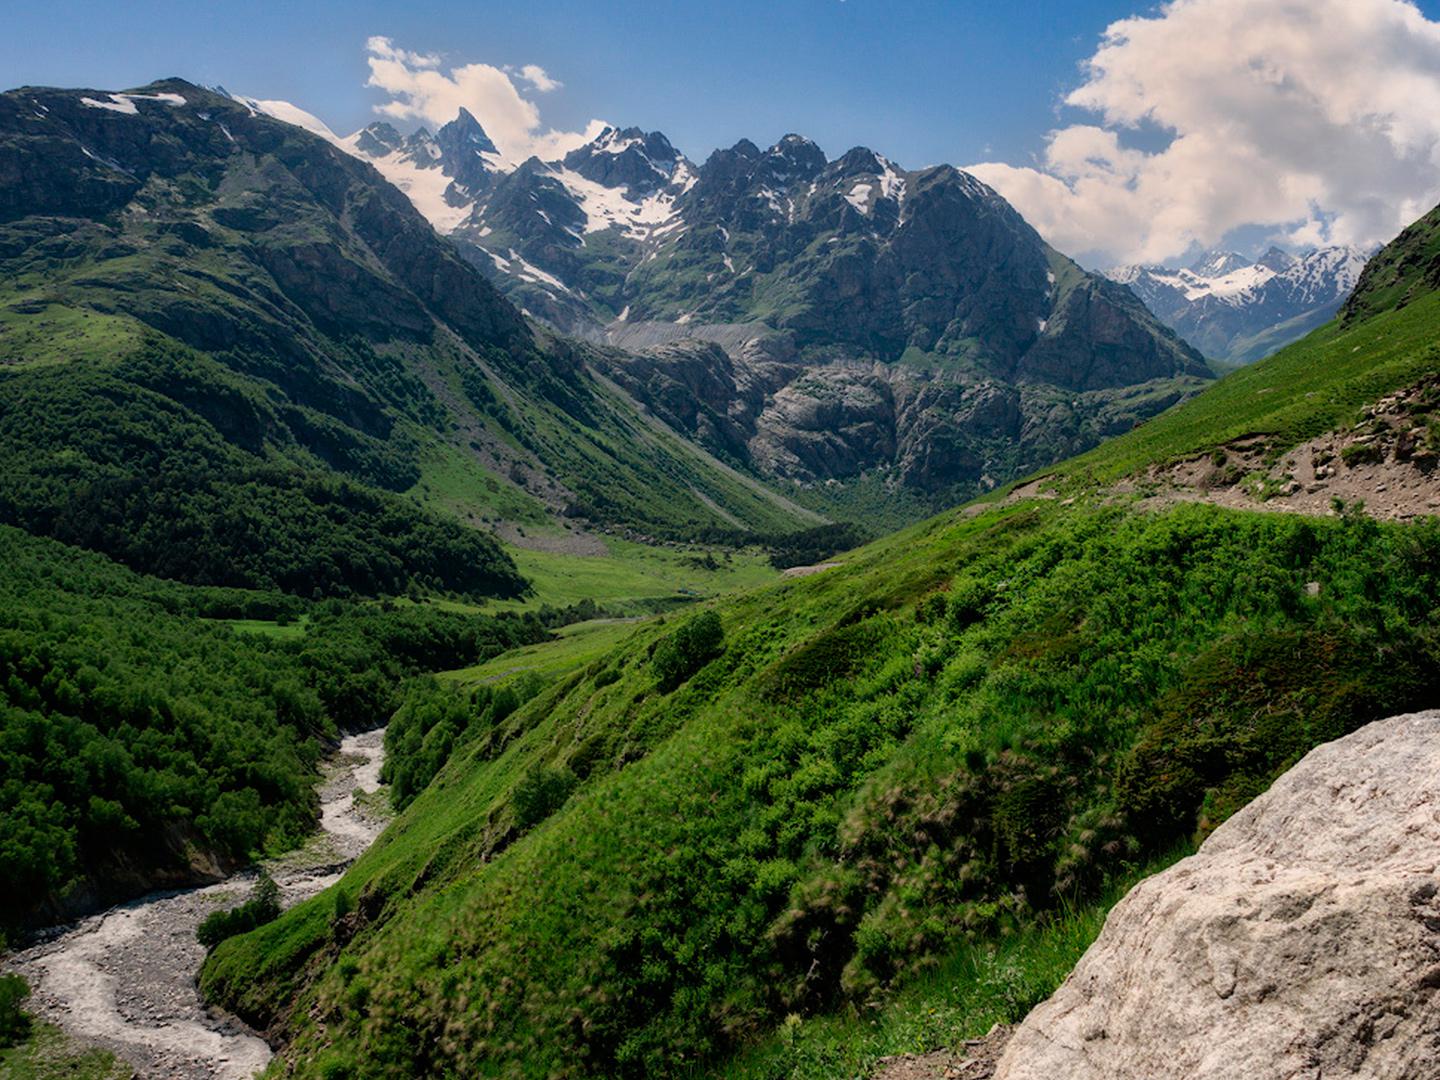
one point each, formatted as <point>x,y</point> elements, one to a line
<point>1303,940</point>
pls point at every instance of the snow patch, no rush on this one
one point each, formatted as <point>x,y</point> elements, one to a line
<point>861,196</point>
<point>606,207</point>
<point>293,114</point>
<point>425,187</point>
<point>125,103</point>
<point>530,272</point>
<point>117,103</point>
<point>892,182</point>
<point>110,163</point>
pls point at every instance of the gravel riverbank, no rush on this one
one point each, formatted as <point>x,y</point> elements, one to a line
<point>124,980</point>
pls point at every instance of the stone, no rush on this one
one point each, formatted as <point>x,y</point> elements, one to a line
<point>1302,940</point>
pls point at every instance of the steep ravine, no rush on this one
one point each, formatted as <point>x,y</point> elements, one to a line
<point>124,980</point>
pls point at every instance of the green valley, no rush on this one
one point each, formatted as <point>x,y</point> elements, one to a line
<point>397,681</point>
<point>911,773</point>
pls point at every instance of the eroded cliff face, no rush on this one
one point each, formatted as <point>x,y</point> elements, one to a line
<point>1303,940</point>
<point>750,395</point>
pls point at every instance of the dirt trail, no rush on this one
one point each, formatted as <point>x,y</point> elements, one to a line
<point>974,1060</point>
<point>124,980</point>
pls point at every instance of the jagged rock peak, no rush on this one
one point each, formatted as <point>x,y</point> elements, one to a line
<point>1218,263</point>
<point>379,139</point>
<point>653,144</point>
<point>1277,260</point>
<point>859,160</point>
<point>639,161</point>
<point>798,156</point>
<point>463,134</point>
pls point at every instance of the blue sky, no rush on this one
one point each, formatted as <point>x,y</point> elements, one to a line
<point>1297,121</point>
<point>923,82</point>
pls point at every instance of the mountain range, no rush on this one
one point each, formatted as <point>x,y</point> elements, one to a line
<point>830,325</point>
<point>1235,310</point>
<point>247,306</point>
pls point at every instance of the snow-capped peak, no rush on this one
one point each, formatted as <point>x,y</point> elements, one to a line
<point>1218,264</point>
<point>1225,302</point>
<point>290,114</point>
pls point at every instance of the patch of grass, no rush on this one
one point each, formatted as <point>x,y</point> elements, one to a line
<point>37,333</point>
<point>574,646</point>
<point>292,630</point>
<point>49,1054</point>
<point>635,578</point>
<point>452,481</point>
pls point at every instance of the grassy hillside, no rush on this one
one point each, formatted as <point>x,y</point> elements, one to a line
<point>960,730</point>
<point>231,353</point>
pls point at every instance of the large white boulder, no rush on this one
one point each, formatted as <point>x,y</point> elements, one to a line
<point>1301,941</point>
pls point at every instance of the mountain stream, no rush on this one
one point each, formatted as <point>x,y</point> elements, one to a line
<point>125,979</point>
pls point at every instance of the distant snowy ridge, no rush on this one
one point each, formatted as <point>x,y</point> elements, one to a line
<point>1237,310</point>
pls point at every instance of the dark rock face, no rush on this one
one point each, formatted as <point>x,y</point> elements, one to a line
<point>940,435</point>
<point>639,162</point>
<point>461,143</point>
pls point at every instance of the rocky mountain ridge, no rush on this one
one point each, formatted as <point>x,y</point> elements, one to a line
<point>337,331</point>
<point>824,322</point>
<point>1235,309</point>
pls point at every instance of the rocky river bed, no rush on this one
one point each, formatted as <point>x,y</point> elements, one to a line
<point>124,979</point>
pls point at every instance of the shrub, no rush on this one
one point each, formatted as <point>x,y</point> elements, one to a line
<point>540,792</point>
<point>824,659</point>
<point>969,597</point>
<point>14,1023</point>
<point>262,907</point>
<point>688,649</point>
<point>1362,454</point>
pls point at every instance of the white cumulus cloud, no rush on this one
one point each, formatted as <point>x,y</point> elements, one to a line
<point>539,78</point>
<point>420,89</point>
<point>1316,119</point>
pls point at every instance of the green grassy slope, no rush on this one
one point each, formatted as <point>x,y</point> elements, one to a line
<point>1308,388</point>
<point>938,758</point>
<point>889,762</point>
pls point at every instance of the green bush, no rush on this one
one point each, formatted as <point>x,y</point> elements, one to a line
<point>1362,454</point>
<point>262,907</point>
<point>687,649</point>
<point>14,1023</point>
<point>540,792</point>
